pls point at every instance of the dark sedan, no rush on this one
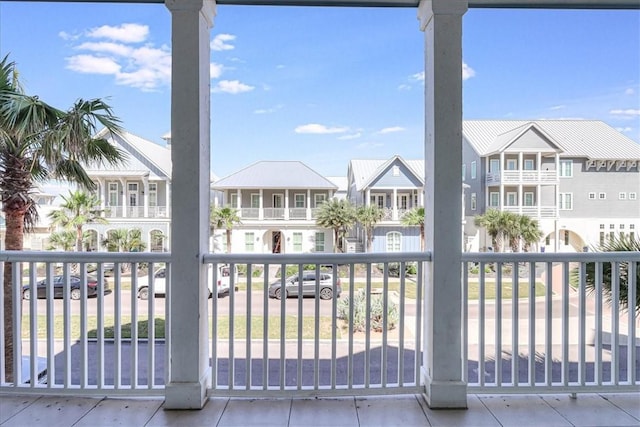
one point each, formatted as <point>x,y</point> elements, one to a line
<point>75,291</point>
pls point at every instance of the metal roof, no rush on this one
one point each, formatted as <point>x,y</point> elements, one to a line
<point>275,174</point>
<point>592,139</point>
<point>365,170</point>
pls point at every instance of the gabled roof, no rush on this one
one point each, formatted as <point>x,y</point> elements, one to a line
<point>506,139</point>
<point>274,174</point>
<point>143,156</point>
<point>592,139</point>
<point>366,171</point>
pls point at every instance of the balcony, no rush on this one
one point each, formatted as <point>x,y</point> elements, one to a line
<point>120,212</point>
<point>522,177</point>
<point>278,214</point>
<point>543,336</point>
<point>539,212</point>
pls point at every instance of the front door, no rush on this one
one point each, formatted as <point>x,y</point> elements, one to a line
<point>276,242</point>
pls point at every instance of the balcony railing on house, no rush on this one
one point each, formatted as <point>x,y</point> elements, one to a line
<point>136,212</point>
<point>522,177</point>
<point>533,211</point>
<point>308,214</point>
<point>547,334</point>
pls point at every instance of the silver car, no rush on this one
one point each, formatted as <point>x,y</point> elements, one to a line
<point>310,286</point>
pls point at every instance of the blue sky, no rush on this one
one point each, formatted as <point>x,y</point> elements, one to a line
<point>326,85</point>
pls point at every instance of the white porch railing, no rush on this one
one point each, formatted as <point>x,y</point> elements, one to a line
<point>541,336</point>
<point>522,177</point>
<point>548,334</point>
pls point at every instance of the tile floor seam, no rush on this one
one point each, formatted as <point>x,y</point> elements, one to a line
<point>418,398</point>
<point>487,408</point>
<point>34,401</point>
<point>154,414</point>
<point>355,408</point>
<point>556,410</point>
<point>226,404</point>
<point>622,409</point>
<point>89,410</point>
<point>290,412</point>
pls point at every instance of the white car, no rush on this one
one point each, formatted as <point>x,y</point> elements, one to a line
<point>160,282</point>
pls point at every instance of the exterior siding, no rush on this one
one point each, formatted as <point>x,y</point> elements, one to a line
<point>410,238</point>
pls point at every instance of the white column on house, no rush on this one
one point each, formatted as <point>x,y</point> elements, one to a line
<point>190,122</point>
<point>395,204</point>
<point>286,204</point>
<point>145,197</point>
<point>309,215</point>
<point>441,20</point>
<point>124,194</point>
<point>502,169</point>
<point>167,198</point>
<point>261,205</point>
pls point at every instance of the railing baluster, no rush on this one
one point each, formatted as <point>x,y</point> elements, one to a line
<point>418,336</point>
<point>565,320</point>
<point>51,339</point>
<point>215,357</point>
<point>385,322</point>
<point>403,295</point>
<point>498,326</point>
<point>84,345</point>
<point>117,321</point>
<point>265,328</point>
<point>515,324</point>
<point>632,286</point>
<point>232,328</point>
<point>334,320</point>
<point>548,317</point>
<point>482,297</point>
<point>582,342</point>
<point>532,324</point>
<point>597,366</point>
<point>151,332</point>
<point>352,286</point>
<point>367,340</point>
<point>316,317</point>
<point>300,332</point>
<point>615,324</point>
<point>133,300</point>
<point>248,338</point>
<point>67,325</point>
<point>33,324</point>
<point>100,327</point>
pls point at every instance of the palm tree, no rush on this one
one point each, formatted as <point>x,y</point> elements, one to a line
<point>226,218</point>
<point>39,142</point>
<point>491,221</point>
<point>529,232</point>
<point>64,240</point>
<point>337,215</point>
<point>369,216</point>
<point>415,217</point>
<point>510,224</point>
<point>78,209</point>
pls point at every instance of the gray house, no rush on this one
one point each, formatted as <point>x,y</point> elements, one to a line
<point>579,178</point>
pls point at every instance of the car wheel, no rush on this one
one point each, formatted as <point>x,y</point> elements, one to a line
<point>278,293</point>
<point>326,293</point>
<point>75,294</point>
<point>26,294</point>
<point>143,293</point>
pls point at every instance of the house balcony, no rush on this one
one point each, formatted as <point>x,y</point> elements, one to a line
<point>529,326</point>
<point>120,212</point>
<point>531,177</point>
<point>536,212</point>
<point>278,214</point>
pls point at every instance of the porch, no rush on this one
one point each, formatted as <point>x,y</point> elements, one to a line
<point>408,410</point>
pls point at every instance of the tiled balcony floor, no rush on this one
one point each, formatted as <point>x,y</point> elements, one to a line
<point>406,410</point>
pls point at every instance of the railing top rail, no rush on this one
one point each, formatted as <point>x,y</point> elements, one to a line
<point>58,256</point>
<point>550,256</point>
<point>314,258</point>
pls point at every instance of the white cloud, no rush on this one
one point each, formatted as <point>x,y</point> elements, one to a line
<point>629,91</point>
<point>367,145</point>
<point>232,86</point>
<point>391,130</point>
<point>404,87</point>
<point>627,112</point>
<point>417,77</point>
<point>106,47</point>
<point>314,128</point>
<point>89,64</point>
<point>127,33</point>
<point>66,36</point>
<point>467,71</point>
<point>558,107</point>
<point>219,42</point>
<point>215,70</point>
<point>351,136</point>
<point>624,130</point>
<point>268,110</point>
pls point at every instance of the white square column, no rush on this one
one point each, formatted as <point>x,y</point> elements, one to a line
<point>189,370</point>
<point>441,20</point>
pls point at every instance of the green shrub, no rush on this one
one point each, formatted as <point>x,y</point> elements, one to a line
<point>376,312</point>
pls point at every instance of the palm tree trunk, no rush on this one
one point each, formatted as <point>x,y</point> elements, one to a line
<point>79,238</point>
<point>14,216</point>
<point>228,241</point>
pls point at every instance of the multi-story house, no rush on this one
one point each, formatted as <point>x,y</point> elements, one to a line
<point>133,195</point>
<point>276,202</point>
<point>396,186</point>
<point>579,178</point>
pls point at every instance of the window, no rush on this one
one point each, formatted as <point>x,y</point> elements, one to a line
<point>512,199</point>
<point>622,195</point>
<point>494,199</point>
<point>249,239</point>
<point>494,165</point>
<point>299,200</point>
<point>132,188</point>
<point>255,200</point>
<point>234,200</point>
<point>473,170</point>
<point>529,199</point>
<point>395,171</point>
<point>153,194</point>
<point>464,171</point>
<point>113,194</point>
<point>612,226</point>
<point>632,196</point>
<point>394,241</point>
<point>319,242</point>
<point>473,201</point>
<point>632,226</point>
<point>566,201</point>
<point>602,196</point>
<point>319,199</point>
<point>621,226</point>
<point>601,226</point>
<point>592,196</point>
<point>297,242</point>
<point>528,164</point>
<point>547,240</point>
<point>403,201</point>
<point>378,200</point>
<point>512,164</point>
<point>566,168</point>
<point>277,200</point>
<point>566,237</point>
<point>601,238</point>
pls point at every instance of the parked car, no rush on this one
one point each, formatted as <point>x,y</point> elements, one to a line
<point>75,285</point>
<point>160,282</point>
<point>310,286</point>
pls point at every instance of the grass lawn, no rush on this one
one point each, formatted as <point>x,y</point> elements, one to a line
<point>240,329</point>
